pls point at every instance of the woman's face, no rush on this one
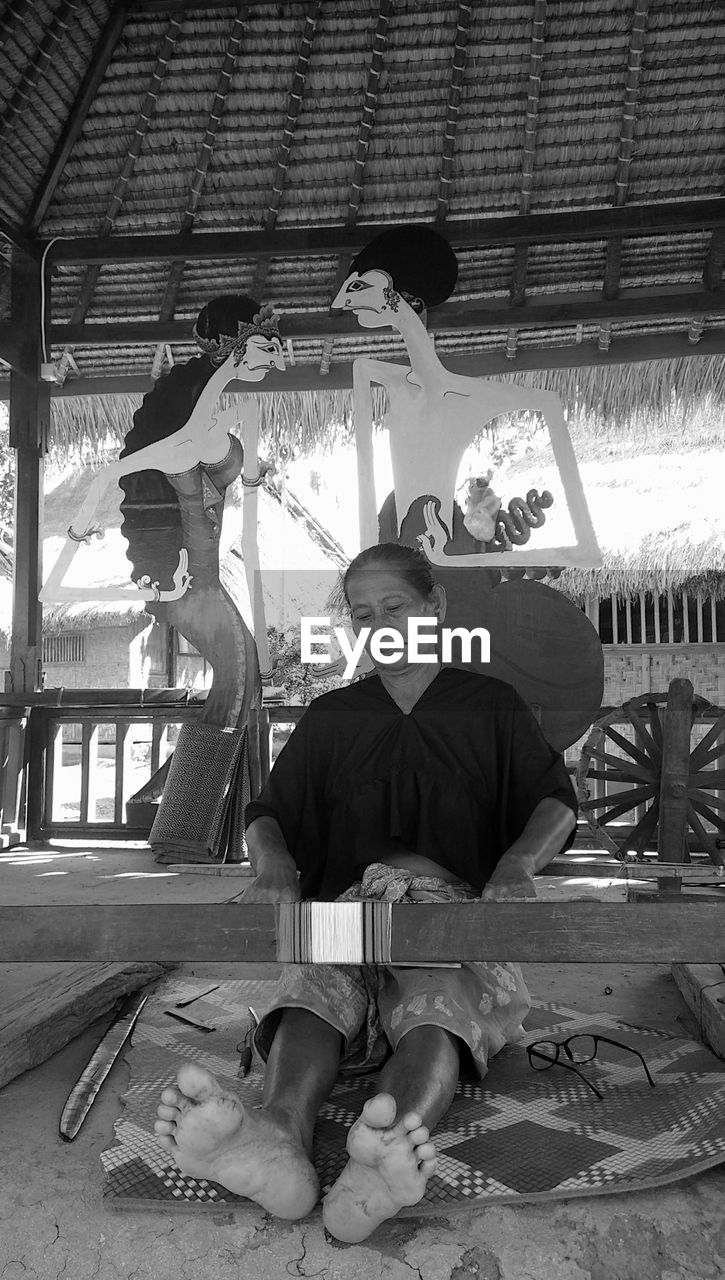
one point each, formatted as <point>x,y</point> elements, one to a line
<point>382,598</point>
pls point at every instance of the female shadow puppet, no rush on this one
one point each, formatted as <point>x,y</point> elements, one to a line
<point>418,783</point>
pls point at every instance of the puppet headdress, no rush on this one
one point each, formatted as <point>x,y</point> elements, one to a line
<point>419,261</point>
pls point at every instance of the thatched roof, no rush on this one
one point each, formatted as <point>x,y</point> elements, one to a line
<point>209,118</point>
<point>657,510</point>
<point>679,396</point>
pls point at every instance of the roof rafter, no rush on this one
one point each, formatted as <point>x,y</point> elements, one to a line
<point>517,287</point>
<point>365,129</point>
<point>284,151</point>
<point>15,235</point>
<point>307,377</point>
<point>201,168</point>
<point>548,311</point>
<point>576,224</point>
<point>141,128</point>
<point>453,107</point>
<point>100,59</point>
<point>20,97</point>
<point>613,262</point>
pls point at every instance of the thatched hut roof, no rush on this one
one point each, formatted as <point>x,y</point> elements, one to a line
<point>657,510</point>
<point>161,119</point>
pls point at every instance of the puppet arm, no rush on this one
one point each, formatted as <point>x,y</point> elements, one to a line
<point>365,372</point>
<point>540,841</point>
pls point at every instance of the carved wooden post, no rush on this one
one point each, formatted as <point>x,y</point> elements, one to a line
<point>674,780</point>
<point>29,418</point>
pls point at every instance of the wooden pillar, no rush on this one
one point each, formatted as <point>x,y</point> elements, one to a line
<point>675,773</point>
<point>29,419</point>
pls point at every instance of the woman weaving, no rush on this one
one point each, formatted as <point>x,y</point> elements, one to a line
<point>419,783</point>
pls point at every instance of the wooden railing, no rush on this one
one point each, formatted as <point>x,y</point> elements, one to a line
<point>87,752</point>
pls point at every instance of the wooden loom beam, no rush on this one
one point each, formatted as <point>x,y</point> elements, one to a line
<point>528,932</point>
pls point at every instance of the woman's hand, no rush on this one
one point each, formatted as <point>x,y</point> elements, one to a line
<point>273,884</point>
<point>511,879</point>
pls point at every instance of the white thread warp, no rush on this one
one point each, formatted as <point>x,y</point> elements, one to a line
<point>334,932</point>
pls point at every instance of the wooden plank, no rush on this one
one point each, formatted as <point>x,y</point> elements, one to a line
<point>570,932</point>
<point>16,236</point>
<point>685,618</point>
<point>119,769</point>
<point>307,377</point>
<point>87,731</point>
<point>674,779</point>
<point>29,418</point>
<point>44,1008</point>
<point>702,986</point>
<point>552,311</point>
<point>573,224</point>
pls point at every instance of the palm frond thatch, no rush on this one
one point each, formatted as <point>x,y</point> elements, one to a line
<point>638,401</point>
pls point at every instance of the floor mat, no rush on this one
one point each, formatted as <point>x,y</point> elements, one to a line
<point>519,1135</point>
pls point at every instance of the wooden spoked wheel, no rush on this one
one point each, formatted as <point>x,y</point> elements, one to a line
<point>629,770</point>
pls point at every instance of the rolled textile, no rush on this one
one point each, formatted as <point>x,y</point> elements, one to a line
<point>200,818</point>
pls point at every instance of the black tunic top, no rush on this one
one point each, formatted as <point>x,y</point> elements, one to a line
<point>455,780</point>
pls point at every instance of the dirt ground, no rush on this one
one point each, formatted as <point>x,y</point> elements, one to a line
<point>53,1222</point>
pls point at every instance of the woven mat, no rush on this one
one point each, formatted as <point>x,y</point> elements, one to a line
<point>519,1135</point>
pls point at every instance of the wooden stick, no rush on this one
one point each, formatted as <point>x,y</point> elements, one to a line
<point>542,932</point>
<point>675,773</point>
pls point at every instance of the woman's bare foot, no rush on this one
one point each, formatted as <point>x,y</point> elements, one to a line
<point>389,1166</point>
<point>252,1151</point>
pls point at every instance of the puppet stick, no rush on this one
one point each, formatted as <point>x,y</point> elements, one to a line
<point>363,411</point>
<point>250,524</point>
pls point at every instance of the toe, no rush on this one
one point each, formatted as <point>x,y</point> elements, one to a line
<point>170,1097</point>
<point>164,1126</point>
<point>197,1083</point>
<point>426,1152</point>
<point>419,1136</point>
<point>167,1113</point>
<point>164,1134</point>
<point>379,1112</point>
<point>428,1168</point>
<point>412,1121</point>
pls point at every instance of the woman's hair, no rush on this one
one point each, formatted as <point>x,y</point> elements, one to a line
<point>419,261</point>
<point>409,563</point>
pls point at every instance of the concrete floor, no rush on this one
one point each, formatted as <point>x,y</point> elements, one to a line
<point>53,1222</point>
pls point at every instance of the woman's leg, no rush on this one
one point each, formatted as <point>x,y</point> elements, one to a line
<point>301,1069</point>
<point>391,1155</point>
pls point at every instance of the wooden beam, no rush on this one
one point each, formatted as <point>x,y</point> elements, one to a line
<point>307,377</point>
<point>540,932</point>
<point>10,349</point>
<point>100,59</point>
<point>675,774</point>
<point>15,235</point>
<point>702,986</point>
<point>205,6</point>
<point>29,419</point>
<point>517,288</point>
<point>665,218</point>
<point>551,312</point>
